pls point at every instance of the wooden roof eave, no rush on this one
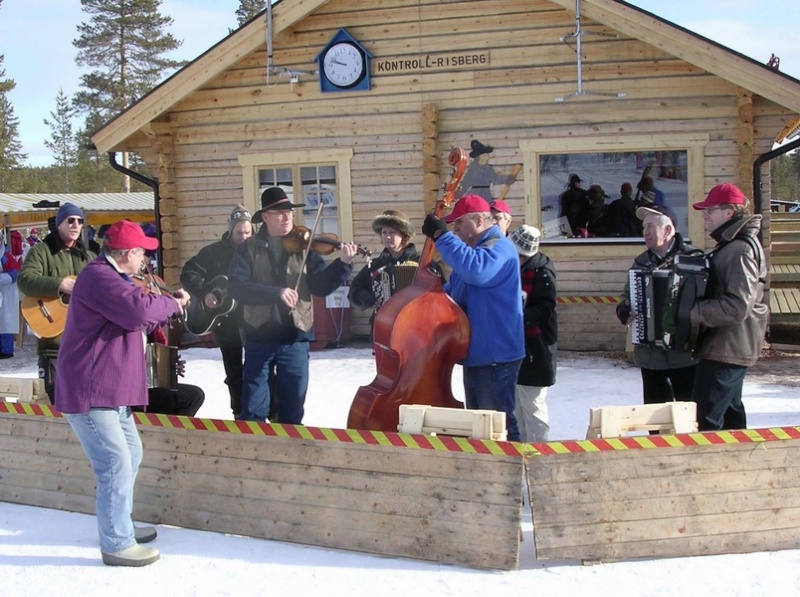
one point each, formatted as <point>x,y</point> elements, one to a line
<point>194,75</point>
<point>691,48</point>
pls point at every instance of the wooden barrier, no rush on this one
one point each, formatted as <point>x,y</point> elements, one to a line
<point>456,501</point>
<point>667,496</point>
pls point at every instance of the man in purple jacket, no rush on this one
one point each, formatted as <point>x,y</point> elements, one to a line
<point>101,374</point>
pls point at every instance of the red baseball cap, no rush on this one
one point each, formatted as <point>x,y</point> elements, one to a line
<point>127,235</point>
<point>468,204</point>
<point>500,205</point>
<point>722,194</point>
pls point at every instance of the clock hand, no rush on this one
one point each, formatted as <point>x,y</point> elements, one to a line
<point>339,63</point>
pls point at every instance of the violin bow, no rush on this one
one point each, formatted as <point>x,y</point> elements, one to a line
<point>310,239</point>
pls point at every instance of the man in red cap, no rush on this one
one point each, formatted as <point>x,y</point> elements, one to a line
<point>485,283</point>
<point>734,315</point>
<point>501,214</point>
<point>101,375</point>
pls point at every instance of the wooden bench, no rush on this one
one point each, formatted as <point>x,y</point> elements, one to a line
<point>787,274</point>
<point>20,389</point>
<point>667,417</point>
<point>784,304</point>
<point>476,424</point>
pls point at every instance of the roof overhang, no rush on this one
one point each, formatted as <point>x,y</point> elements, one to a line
<point>235,47</point>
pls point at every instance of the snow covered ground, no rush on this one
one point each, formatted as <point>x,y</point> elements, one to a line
<point>47,552</point>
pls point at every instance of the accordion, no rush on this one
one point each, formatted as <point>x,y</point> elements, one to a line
<point>662,300</point>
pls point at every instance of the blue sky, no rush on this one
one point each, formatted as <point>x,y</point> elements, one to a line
<point>36,39</point>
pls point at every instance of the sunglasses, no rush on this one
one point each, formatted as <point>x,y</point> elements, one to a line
<point>74,220</point>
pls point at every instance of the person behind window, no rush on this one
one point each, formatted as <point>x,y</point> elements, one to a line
<point>275,285</point>
<point>646,185</point>
<point>597,224</point>
<point>390,271</point>
<point>667,375</point>
<point>734,314</point>
<point>538,369</point>
<point>621,215</point>
<point>573,204</point>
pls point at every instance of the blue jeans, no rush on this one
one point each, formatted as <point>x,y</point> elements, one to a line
<point>492,387</point>
<point>291,380</point>
<point>112,443</point>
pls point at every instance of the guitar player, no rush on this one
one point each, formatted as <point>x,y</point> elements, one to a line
<point>197,277</point>
<point>49,269</point>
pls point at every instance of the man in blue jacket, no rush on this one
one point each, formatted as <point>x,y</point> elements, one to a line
<point>485,283</point>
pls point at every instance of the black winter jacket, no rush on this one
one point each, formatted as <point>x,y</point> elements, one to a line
<point>541,327</point>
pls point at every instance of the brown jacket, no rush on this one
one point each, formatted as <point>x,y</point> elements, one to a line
<point>735,316</point>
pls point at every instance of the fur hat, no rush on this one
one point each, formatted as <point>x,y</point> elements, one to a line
<point>526,240</point>
<point>393,219</point>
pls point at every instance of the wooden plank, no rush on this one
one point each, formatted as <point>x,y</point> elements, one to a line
<point>443,506</point>
<point>662,502</point>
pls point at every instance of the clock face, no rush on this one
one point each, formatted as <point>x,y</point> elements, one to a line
<point>343,64</point>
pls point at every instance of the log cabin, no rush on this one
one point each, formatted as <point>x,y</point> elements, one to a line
<point>356,104</point>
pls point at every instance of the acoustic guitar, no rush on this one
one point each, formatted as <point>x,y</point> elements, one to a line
<point>200,319</point>
<point>46,315</point>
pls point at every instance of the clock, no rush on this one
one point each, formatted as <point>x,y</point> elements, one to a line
<point>343,64</point>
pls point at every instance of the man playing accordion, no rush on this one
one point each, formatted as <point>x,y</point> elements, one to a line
<point>667,374</point>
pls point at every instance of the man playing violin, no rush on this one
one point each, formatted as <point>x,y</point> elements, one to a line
<point>275,286</point>
<point>101,375</point>
<point>197,277</point>
<point>49,270</point>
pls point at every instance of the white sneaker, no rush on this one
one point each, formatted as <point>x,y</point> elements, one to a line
<point>135,555</point>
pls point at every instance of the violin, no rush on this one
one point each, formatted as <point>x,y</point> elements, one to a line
<point>299,239</point>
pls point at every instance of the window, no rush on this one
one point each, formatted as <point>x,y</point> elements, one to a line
<point>310,177</point>
<point>574,187</point>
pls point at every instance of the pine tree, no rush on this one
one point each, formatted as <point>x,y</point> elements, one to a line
<point>248,9</point>
<point>125,42</point>
<point>11,156</point>
<point>62,142</point>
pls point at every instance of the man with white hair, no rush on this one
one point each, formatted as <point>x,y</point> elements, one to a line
<point>538,369</point>
<point>485,283</point>
<point>667,375</point>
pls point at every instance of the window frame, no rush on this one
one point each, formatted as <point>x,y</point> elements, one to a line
<point>693,144</point>
<point>341,158</point>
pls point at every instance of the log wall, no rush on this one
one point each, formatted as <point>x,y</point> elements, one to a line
<point>503,102</point>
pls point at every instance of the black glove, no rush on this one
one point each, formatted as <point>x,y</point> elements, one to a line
<point>624,311</point>
<point>433,227</point>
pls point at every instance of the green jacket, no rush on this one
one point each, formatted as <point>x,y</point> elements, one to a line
<point>45,265</point>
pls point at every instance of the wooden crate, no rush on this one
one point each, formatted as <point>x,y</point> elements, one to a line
<point>668,417</point>
<point>477,424</point>
<point>22,389</point>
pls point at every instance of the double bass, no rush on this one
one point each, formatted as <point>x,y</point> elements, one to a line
<point>419,334</point>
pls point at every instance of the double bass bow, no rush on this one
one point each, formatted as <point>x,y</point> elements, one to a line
<point>419,334</point>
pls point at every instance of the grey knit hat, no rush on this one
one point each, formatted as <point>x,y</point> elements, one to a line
<point>239,214</point>
<point>393,219</point>
<point>526,240</point>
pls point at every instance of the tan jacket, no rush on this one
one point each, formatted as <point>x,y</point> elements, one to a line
<point>734,317</point>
